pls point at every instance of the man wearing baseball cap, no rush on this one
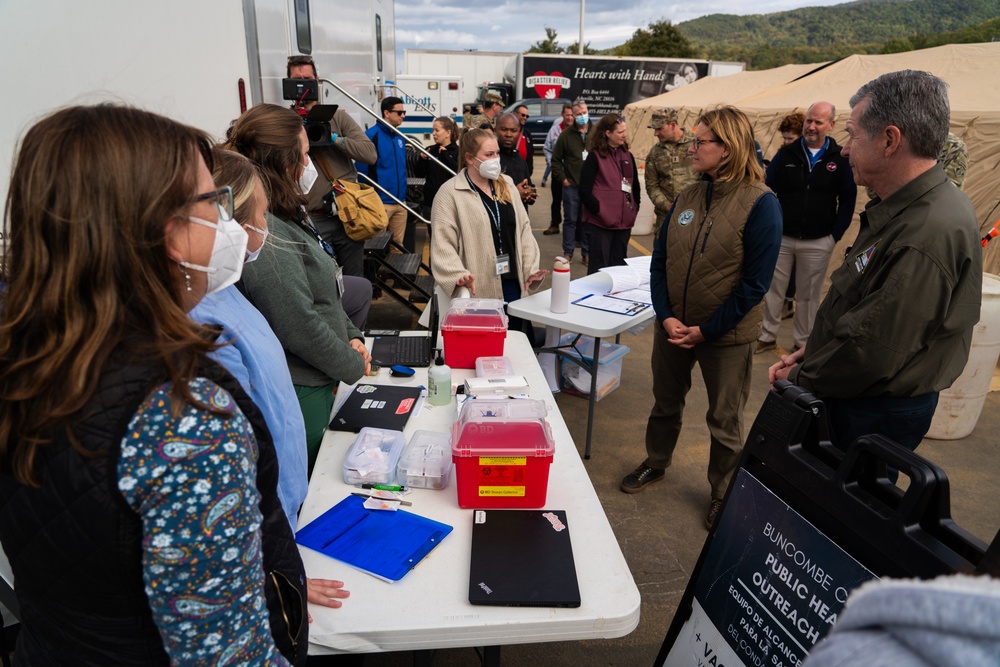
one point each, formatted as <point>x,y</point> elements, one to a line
<point>668,165</point>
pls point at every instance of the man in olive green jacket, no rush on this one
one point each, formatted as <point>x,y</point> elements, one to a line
<point>567,161</point>
<point>896,325</point>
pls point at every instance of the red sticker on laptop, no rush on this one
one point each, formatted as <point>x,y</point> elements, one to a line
<point>405,406</point>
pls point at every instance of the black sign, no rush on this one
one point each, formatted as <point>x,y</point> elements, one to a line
<point>606,84</point>
<point>772,586</point>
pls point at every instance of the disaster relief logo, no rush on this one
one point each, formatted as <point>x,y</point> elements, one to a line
<point>547,86</point>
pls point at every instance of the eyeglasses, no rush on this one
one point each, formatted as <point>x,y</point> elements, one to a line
<point>398,112</point>
<point>524,116</point>
<point>223,198</point>
<point>698,142</point>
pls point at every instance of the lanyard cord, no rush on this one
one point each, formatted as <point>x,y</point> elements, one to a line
<point>490,212</point>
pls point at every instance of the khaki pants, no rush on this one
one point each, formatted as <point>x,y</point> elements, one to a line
<point>397,222</point>
<point>726,371</point>
<point>811,259</point>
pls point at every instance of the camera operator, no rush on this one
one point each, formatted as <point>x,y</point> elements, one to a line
<point>349,143</point>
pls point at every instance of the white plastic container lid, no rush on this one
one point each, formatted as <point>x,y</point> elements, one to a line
<point>494,367</point>
<point>585,349</point>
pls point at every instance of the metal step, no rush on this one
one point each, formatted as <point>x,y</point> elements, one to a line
<point>379,243</point>
<point>408,264</point>
<point>425,283</point>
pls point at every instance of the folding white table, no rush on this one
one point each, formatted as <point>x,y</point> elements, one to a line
<point>429,608</point>
<point>582,320</point>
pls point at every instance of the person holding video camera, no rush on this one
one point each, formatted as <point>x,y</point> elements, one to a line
<point>334,162</point>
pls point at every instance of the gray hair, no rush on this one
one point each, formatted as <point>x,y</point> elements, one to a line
<point>579,102</point>
<point>913,101</point>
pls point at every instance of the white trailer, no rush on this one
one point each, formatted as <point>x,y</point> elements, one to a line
<point>198,62</point>
<point>475,67</point>
<point>425,98</point>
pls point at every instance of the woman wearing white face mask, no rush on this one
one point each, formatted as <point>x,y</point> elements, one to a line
<point>296,284</point>
<point>482,236</point>
<point>130,465</point>
<point>253,354</point>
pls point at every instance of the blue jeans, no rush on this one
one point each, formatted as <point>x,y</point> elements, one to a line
<point>571,218</point>
<point>903,419</point>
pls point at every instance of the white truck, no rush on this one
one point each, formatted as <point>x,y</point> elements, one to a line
<point>477,68</point>
<point>425,98</point>
<point>198,62</point>
<point>606,83</point>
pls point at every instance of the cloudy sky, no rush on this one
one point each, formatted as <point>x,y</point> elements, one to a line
<point>514,25</point>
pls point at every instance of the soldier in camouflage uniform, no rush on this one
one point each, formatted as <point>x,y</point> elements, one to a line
<point>668,165</point>
<point>492,106</point>
<point>953,158</point>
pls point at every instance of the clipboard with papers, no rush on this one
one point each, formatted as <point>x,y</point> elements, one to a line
<point>384,544</point>
<point>612,304</point>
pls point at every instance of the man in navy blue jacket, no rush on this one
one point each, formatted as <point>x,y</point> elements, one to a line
<point>389,171</point>
<point>816,189</point>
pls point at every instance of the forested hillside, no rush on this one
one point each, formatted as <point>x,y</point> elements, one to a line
<point>813,34</point>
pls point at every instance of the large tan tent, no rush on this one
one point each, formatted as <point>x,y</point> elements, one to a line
<point>969,69</point>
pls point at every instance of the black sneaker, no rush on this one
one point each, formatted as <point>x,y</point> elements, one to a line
<point>713,511</point>
<point>636,481</point>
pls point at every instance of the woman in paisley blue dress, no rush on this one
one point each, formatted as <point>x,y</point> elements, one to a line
<point>138,503</point>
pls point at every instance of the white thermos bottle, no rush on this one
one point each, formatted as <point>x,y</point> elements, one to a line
<point>560,286</point>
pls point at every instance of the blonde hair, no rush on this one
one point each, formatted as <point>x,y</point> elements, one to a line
<point>472,141</point>
<point>732,127</point>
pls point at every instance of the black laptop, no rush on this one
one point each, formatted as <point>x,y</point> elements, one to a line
<point>415,351</point>
<point>522,558</point>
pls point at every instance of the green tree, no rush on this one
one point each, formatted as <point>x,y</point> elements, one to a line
<point>548,45</point>
<point>660,39</point>
<point>574,49</point>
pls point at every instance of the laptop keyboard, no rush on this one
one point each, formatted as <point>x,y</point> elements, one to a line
<point>411,350</point>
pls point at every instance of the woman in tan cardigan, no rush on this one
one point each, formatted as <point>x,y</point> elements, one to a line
<point>482,236</point>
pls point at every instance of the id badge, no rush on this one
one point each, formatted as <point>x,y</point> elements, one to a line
<point>626,188</point>
<point>340,282</point>
<point>503,264</point>
<point>585,154</point>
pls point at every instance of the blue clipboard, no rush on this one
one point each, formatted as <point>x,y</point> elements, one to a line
<point>384,544</point>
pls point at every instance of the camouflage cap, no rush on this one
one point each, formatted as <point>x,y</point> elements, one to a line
<point>661,117</point>
<point>492,98</point>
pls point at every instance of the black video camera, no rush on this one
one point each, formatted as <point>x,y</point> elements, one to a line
<point>317,119</point>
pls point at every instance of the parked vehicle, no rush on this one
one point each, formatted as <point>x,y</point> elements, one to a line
<point>606,83</point>
<point>541,115</point>
<point>481,71</point>
<point>426,97</point>
<point>105,50</point>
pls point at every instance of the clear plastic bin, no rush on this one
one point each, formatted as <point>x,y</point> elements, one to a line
<point>373,456</point>
<point>576,379</point>
<point>494,367</point>
<point>426,463</point>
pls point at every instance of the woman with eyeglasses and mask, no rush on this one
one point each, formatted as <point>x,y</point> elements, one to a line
<point>298,287</point>
<point>609,194</point>
<point>253,354</point>
<point>711,267</point>
<point>137,481</point>
<point>482,236</point>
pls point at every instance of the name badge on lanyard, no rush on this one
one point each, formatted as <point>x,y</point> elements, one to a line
<point>503,264</point>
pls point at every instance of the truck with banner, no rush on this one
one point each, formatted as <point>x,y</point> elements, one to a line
<point>606,83</point>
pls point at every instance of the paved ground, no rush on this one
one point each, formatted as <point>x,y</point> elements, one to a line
<point>661,530</point>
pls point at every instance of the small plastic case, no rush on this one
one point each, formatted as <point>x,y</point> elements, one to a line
<point>373,456</point>
<point>426,464</point>
<point>494,367</point>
